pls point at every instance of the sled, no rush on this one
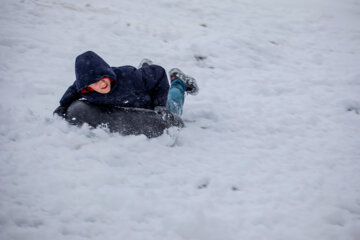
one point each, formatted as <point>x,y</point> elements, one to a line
<point>126,121</point>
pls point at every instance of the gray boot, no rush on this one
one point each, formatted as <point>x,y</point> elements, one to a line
<point>190,82</point>
<point>145,63</point>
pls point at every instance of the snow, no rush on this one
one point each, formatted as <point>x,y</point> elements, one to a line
<point>271,146</point>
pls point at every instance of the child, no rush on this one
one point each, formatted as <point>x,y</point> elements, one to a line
<point>125,86</point>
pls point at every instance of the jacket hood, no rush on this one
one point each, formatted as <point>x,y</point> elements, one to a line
<point>90,68</point>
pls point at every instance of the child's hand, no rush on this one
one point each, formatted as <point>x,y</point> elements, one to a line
<point>164,112</point>
<point>60,111</point>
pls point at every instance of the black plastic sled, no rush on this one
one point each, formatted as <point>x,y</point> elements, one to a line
<point>126,121</point>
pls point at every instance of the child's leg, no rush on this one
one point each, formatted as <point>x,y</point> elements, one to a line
<point>176,97</point>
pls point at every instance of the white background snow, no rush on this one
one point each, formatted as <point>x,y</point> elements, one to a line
<point>272,144</point>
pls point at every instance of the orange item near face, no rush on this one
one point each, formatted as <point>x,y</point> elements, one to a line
<point>87,90</point>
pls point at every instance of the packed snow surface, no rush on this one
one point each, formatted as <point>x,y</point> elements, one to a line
<point>271,148</point>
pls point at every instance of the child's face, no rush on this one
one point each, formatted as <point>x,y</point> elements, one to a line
<point>103,86</point>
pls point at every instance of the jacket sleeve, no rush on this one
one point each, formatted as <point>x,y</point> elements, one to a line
<point>158,84</point>
<point>70,96</point>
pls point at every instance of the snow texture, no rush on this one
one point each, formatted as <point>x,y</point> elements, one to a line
<point>271,148</point>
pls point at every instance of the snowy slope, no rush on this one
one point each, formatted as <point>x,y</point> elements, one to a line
<point>271,147</point>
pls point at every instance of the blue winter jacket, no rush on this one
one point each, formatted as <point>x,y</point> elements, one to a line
<point>146,87</point>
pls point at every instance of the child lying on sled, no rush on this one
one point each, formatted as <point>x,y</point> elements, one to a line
<point>146,87</point>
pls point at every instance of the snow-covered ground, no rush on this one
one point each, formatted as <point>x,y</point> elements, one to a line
<point>272,144</point>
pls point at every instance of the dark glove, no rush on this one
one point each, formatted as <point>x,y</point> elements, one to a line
<point>164,112</point>
<point>60,111</point>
